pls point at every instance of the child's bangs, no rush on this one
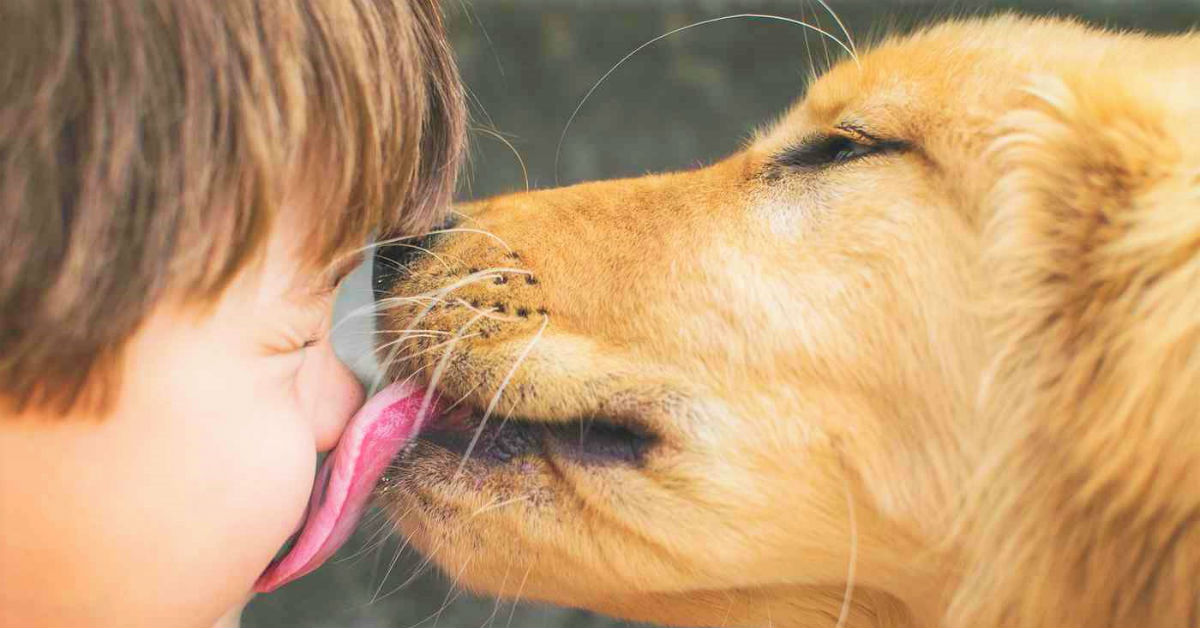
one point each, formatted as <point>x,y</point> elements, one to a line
<point>161,141</point>
<point>385,130</point>
<point>346,117</point>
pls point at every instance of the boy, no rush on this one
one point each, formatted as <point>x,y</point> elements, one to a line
<point>182,185</point>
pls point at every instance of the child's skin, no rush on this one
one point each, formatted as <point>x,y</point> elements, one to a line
<point>144,519</point>
<point>182,186</point>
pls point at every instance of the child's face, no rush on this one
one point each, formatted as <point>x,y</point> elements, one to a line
<point>166,511</point>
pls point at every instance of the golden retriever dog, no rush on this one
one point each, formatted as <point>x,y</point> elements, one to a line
<point>925,351</point>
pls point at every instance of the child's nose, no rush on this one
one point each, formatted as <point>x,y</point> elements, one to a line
<point>341,396</point>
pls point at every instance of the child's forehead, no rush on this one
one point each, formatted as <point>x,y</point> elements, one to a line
<point>302,271</point>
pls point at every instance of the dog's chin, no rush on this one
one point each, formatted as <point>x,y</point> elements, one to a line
<point>476,492</point>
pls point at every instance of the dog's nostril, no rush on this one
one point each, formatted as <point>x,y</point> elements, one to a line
<point>393,259</point>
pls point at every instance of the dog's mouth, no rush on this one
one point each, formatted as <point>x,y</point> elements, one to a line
<point>393,418</point>
<point>591,440</point>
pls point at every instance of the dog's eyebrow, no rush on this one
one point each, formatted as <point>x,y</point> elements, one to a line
<point>860,131</point>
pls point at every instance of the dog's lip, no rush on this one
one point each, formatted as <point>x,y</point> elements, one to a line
<point>460,418</point>
<point>376,433</point>
<point>577,437</point>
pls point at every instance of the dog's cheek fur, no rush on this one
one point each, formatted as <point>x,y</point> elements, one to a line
<point>1091,509</point>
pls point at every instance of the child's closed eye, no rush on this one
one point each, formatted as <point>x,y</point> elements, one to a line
<point>301,327</point>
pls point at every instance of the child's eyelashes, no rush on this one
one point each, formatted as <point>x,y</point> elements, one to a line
<point>299,324</point>
<point>291,343</point>
<point>293,337</point>
<point>307,340</point>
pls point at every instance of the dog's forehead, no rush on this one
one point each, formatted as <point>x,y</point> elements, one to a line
<point>938,80</point>
<point>887,106</point>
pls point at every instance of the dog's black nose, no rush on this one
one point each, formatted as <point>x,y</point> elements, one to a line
<point>393,259</point>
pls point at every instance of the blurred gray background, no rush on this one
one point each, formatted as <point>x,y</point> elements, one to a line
<point>686,100</point>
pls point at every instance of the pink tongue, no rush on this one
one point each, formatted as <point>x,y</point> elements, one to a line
<point>343,486</point>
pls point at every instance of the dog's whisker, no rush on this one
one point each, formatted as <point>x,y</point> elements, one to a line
<point>489,314</point>
<point>500,391</point>
<point>440,258</point>
<point>462,398</point>
<point>812,64</point>
<point>423,332</point>
<point>413,375</point>
<point>420,569</point>
<point>372,516</point>
<point>389,346</point>
<point>463,217</point>
<point>374,308</point>
<point>506,142</point>
<point>391,241</point>
<point>452,593</point>
<point>824,44</point>
<point>499,597</point>
<point>424,564</point>
<point>400,359</point>
<point>412,323</point>
<point>411,336</point>
<point>411,326</point>
<point>383,534</point>
<point>374,540</point>
<point>517,599</point>
<point>412,333</point>
<point>571,119</point>
<point>728,609</point>
<point>388,573</point>
<point>473,278</point>
<point>504,421</point>
<point>403,337</point>
<point>435,379</point>
<point>844,614</point>
<point>845,31</point>
<point>388,302</point>
<point>499,504</point>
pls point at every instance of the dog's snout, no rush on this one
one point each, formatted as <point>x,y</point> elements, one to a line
<point>393,259</point>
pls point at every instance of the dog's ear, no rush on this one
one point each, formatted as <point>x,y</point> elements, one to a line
<point>1087,507</point>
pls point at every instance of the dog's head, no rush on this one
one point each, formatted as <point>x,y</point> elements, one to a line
<point>737,393</point>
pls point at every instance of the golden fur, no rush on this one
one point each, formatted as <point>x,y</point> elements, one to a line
<point>955,383</point>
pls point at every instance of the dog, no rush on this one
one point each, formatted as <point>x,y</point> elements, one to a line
<point>923,352</point>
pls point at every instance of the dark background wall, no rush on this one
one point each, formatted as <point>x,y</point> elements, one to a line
<point>688,99</point>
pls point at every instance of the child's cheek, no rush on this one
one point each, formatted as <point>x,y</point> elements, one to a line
<point>166,511</point>
<point>251,459</point>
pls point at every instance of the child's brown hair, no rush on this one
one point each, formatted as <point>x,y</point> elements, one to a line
<point>146,147</point>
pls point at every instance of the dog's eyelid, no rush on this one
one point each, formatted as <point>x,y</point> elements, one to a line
<point>843,143</point>
<point>858,132</point>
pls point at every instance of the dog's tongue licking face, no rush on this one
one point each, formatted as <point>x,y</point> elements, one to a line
<point>343,486</point>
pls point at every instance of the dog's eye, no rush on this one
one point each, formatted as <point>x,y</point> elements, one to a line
<point>829,150</point>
